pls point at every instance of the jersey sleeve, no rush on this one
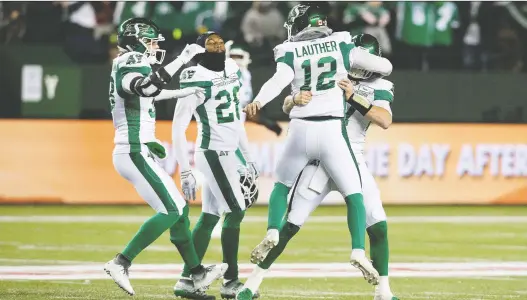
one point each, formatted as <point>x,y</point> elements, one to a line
<point>385,92</point>
<point>283,54</point>
<point>191,77</point>
<point>183,112</point>
<point>345,43</point>
<point>129,67</point>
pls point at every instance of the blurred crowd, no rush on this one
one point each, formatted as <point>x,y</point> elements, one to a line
<point>422,36</point>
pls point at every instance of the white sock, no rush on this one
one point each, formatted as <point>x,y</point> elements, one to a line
<point>384,285</point>
<point>255,279</point>
<point>358,252</point>
<point>273,231</point>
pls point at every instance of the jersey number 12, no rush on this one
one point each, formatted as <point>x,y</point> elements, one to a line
<point>322,85</point>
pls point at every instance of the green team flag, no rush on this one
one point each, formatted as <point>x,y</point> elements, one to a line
<point>416,22</point>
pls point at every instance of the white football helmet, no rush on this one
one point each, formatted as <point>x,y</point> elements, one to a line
<point>240,56</point>
<point>249,186</point>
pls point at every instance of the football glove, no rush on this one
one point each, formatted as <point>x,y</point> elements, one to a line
<point>188,185</point>
<point>157,149</point>
<point>189,52</point>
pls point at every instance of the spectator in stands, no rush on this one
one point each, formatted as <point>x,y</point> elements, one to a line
<point>12,25</point>
<point>263,22</point>
<point>81,43</point>
<point>371,18</point>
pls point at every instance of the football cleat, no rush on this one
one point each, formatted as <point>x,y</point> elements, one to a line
<point>260,252</point>
<point>233,287</point>
<point>203,279</point>
<point>245,294</point>
<point>385,297</point>
<point>119,274</point>
<point>368,271</point>
<point>185,289</point>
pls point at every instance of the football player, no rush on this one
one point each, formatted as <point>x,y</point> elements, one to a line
<point>220,134</point>
<point>314,59</point>
<point>134,88</point>
<point>369,98</point>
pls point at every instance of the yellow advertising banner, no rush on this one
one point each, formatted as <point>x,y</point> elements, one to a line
<point>70,161</point>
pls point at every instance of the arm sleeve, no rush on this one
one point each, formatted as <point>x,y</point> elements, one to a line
<point>274,86</point>
<point>185,108</point>
<point>167,94</point>
<point>361,59</point>
<point>139,79</point>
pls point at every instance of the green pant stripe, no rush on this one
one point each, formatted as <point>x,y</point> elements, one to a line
<point>290,207</point>
<point>240,157</point>
<point>345,136</point>
<point>222,180</point>
<point>155,182</point>
<point>205,126</point>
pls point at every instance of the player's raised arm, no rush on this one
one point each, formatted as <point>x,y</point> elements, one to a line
<point>171,94</point>
<point>361,58</point>
<point>273,87</point>
<point>150,84</point>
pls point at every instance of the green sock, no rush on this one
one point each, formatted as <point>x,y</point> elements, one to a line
<point>230,242</point>
<point>356,220</point>
<point>277,205</point>
<point>150,231</point>
<point>201,238</point>
<point>287,232</point>
<point>379,250</point>
<point>181,237</point>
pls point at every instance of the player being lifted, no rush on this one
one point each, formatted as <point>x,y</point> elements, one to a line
<point>220,133</point>
<point>369,100</point>
<point>134,88</point>
<point>314,59</point>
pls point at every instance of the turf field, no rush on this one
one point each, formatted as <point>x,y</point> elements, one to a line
<point>57,252</point>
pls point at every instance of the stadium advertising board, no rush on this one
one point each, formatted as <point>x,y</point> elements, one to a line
<point>70,161</point>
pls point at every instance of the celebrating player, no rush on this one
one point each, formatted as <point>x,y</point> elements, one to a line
<point>369,100</point>
<point>220,133</point>
<point>314,59</point>
<point>133,90</point>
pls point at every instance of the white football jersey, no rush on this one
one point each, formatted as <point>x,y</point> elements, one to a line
<point>218,113</point>
<point>134,117</point>
<point>318,65</point>
<point>383,94</point>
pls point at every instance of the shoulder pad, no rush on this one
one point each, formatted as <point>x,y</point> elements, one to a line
<point>188,74</point>
<point>343,36</point>
<point>384,89</point>
<point>133,62</point>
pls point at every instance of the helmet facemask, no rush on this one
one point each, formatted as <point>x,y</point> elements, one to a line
<point>249,186</point>
<point>154,56</point>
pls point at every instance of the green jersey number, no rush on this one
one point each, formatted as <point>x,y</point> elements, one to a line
<point>325,80</point>
<point>226,105</point>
